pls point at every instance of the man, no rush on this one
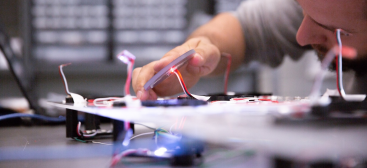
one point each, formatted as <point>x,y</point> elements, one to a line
<point>263,30</point>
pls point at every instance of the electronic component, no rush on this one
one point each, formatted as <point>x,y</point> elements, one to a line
<point>166,71</point>
<point>129,59</point>
<point>166,103</point>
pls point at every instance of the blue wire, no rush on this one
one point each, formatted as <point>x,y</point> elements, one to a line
<point>41,117</point>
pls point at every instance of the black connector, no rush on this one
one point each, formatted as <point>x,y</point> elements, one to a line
<point>71,120</point>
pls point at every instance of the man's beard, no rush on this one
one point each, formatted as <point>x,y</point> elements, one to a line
<point>359,66</point>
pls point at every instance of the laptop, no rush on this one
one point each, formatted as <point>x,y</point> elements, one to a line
<point>22,73</point>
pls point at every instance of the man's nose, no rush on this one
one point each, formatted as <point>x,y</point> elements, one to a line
<point>310,33</point>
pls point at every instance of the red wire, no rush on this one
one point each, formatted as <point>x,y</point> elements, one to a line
<point>177,72</point>
<point>118,157</point>
<point>127,86</point>
<point>181,79</point>
<point>228,69</point>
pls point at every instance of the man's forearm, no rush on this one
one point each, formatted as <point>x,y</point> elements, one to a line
<point>225,32</point>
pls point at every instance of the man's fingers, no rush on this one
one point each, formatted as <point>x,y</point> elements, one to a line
<point>202,63</point>
<point>140,77</point>
<point>205,60</point>
<point>140,93</point>
<point>152,95</point>
<point>135,78</point>
<point>197,60</point>
<point>169,57</point>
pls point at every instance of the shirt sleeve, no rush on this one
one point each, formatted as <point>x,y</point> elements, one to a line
<point>270,28</point>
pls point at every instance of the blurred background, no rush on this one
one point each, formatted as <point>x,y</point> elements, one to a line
<point>90,33</point>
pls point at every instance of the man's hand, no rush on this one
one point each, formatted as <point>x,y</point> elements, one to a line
<point>222,34</point>
<point>205,60</point>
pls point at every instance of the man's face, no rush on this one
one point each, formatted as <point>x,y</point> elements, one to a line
<point>322,17</point>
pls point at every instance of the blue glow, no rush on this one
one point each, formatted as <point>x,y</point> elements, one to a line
<point>128,135</point>
<point>160,151</point>
<point>125,56</point>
